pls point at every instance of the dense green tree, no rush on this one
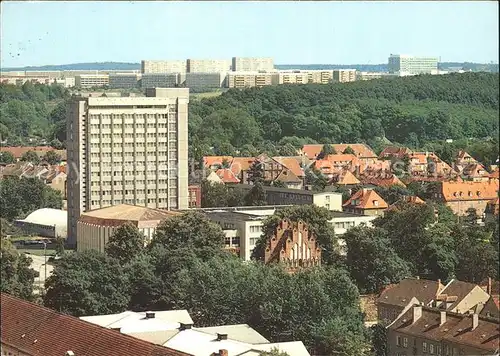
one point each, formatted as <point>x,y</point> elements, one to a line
<point>87,283</point>
<point>52,158</point>
<point>274,352</point>
<point>326,150</point>
<point>17,276</point>
<point>349,150</point>
<point>125,243</point>
<point>379,340</point>
<point>256,172</point>
<point>30,156</point>
<point>256,196</point>
<point>371,260</point>
<point>59,245</point>
<point>6,157</point>
<point>191,229</point>
<point>392,193</point>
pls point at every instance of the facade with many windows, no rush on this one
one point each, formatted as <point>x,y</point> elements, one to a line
<point>127,151</point>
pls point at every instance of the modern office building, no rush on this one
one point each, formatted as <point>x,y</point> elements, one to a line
<point>124,80</point>
<point>127,151</point>
<point>411,65</point>
<point>204,80</point>
<point>252,64</point>
<point>208,65</point>
<point>344,75</point>
<point>159,80</point>
<point>176,66</point>
<point>91,80</point>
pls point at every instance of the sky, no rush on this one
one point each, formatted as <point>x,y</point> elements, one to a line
<point>43,33</point>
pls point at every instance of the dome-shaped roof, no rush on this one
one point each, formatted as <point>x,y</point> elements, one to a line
<point>47,216</point>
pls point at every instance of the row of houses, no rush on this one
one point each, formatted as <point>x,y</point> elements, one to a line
<point>427,317</point>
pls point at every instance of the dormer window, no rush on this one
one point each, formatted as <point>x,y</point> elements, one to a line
<point>375,202</point>
<point>470,193</point>
<point>455,194</point>
<point>478,193</point>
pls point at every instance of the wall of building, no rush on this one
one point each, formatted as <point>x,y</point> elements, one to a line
<point>251,64</point>
<point>208,65</point>
<point>159,80</point>
<point>476,296</point>
<point>175,66</point>
<point>331,201</point>
<point>204,80</point>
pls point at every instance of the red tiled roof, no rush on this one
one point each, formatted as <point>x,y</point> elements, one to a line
<point>209,161</point>
<point>344,177</point>
<point>455,330</point>
<point>227,176</point>
<point>454,191</point>
<point>240,164</point>
<point>394,151</point>
<point>365,199</point>
<point>400,294</point>
<point>291,163</point>
<point>360,149</point>
<point>35,330</point>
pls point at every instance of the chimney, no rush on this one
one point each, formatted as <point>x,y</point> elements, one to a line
<point>221,337</point>
<point>417,313</point>
<point>489,286</point>
<point>69,353</point>
<point>475,321</point>
<point>150,315</point>
<point>185,326</point>
<point>439,282</point>
<point>417,277</point>
<point>222,353</point>
<point>443,318</point>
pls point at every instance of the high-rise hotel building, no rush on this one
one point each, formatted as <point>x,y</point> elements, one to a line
<point>127,151</point>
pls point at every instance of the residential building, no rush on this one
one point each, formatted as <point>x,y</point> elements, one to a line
<point>421,330</point>
<point>293,245</point>
<point>29,329</point>
<point>265,79</point>
<point>227,176</point>
<point>372,75</point>
<point>411,65</point>
<point>95,227</point>
<point>293,78</point>
<point>243,225</point>
<point>194,195</point>
<point>175,66</point>
<point>159,80</point>
<point>365,202</point>
<point>491,211</point>
<point>200,80</point>
<point>460,297</point>
<point>252,64</point>
<point>124,80</point>
<point>68,82</point>
<point>344,75</point>
<point>91,80</point>
<point>208,65</point>
<point>461,196</point>
<point>395,152</point>
<point>127,151</point>
<point>379,178</point>
<point>286,196</point>
<point>364,153</point>
<point>393,300</point>
<point>41,151</point>
<point>241,80</point>
<point>320,76</point>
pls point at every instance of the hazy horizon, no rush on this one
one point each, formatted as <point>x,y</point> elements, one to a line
<point>336,33</point>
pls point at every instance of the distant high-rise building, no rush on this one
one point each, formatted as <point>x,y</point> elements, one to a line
<point>208,65</point>
<point>411,65</point>
<point>159,80</point>
<point>91,80</point>
<point>252,64</point>
<point>123,80</point>
<point>344,75</point>
<point>127,151</point>
<point>293,78</point>
<point>204,80</point>
<point>251,79</point>
<point>176,66</point>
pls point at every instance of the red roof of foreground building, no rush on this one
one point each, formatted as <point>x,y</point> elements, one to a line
<point>227,176</point>
<point>31,330</point>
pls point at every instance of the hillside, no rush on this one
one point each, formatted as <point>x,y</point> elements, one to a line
<point>361,67</point>
<point>413,111</point>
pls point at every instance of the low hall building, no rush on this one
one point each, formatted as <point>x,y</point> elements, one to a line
<point>97,226</point>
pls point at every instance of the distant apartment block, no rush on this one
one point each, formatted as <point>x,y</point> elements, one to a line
<point>159,80</point>
<point>411,65</point>
<point>127,151</point>
<point>91,80</point>
<point>68,82</point>
<point>208,65</point>
<point>123,80</point>
<point>252,64</point>
<point>175,66</point>
<point>293,78</point>
<point>205,80</point>
<point>320,76</point>
<point>251,79</point>
<point>344,75</point>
